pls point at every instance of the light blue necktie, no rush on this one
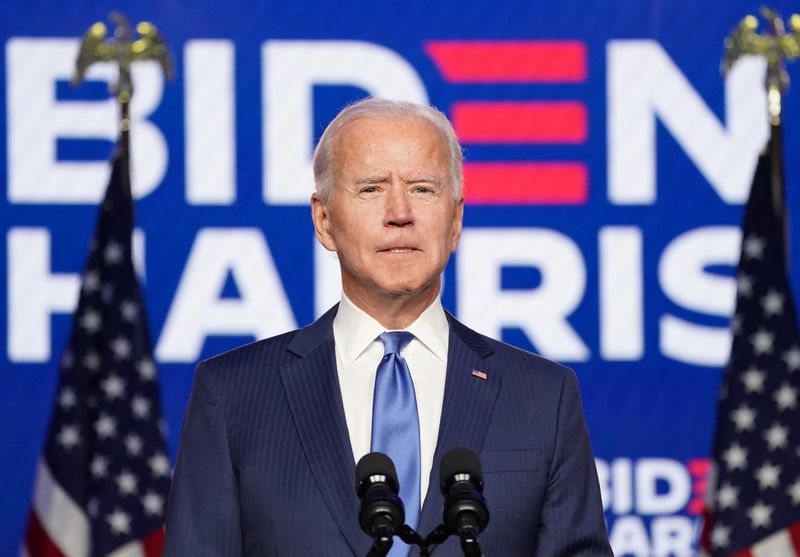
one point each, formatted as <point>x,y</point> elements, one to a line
<point>395,425</point>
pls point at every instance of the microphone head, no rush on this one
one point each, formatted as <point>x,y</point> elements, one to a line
<point>374,467</point>
<point>465,512</point>
<point>460,464</point>
<point>381,512</point>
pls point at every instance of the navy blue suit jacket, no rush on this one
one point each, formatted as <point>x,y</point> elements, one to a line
<point>265,466</point>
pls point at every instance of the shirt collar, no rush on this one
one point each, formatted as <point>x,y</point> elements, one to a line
<point>354,330</point>
<point>432,329</point>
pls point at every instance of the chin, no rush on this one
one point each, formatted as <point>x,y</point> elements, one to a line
<point>399,290</point>
<point>406,288</point>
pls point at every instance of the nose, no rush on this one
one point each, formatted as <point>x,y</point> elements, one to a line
<point>398,207</point>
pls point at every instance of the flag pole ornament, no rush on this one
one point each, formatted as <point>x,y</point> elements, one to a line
<point>777,45</point>
<point>123,49</point>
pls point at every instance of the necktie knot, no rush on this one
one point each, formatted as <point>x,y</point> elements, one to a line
<point>395,341</point>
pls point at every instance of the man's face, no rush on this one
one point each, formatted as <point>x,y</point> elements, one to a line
<point>392,217</point>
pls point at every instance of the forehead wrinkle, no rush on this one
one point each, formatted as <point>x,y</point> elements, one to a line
<point>431,148</point>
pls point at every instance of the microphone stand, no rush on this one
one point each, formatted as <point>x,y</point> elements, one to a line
<point>382,534</point>
<point>437,536</point>
<point>468,531</point>
<point>380,547</point>
<point>469,543</point>
<point>383,543</point>
<point>471,547</point>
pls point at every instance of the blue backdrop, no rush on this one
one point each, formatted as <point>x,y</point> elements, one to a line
<point>608,161</point>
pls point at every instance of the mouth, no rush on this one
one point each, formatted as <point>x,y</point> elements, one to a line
<point>398,250</point>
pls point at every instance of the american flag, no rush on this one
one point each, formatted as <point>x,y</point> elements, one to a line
<point>754,499</point>
<point>102,480</point>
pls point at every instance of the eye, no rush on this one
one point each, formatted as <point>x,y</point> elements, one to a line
<point>368,189</point>
<point>422,189</point>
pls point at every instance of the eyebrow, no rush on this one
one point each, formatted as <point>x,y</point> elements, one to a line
<point>372,179</point>
<point>377,179</point>
<point>424,178</point>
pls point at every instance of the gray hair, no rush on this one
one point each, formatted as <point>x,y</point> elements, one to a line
<point>374,108</point>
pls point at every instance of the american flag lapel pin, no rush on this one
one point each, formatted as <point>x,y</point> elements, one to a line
<point>479,374</point>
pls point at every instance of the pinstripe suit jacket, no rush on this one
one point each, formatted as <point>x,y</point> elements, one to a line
<point>265,466</point>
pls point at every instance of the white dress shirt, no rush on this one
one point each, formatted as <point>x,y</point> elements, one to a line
<point>358,353</point>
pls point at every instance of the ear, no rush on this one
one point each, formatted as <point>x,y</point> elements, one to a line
<point>322,223</point>
<point>458,217</point>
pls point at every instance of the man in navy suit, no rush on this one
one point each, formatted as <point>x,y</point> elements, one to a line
<point>273,429</point>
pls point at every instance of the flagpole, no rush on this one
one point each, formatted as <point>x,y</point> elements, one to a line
<point>777,83</point>
<point>777,46</point>
<point>124,92</point>
<point>778,181</point>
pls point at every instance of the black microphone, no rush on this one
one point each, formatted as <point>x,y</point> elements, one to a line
<point>465,511</point>
<point>381,514</point>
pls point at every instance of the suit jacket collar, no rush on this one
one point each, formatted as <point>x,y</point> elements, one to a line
<point>312,389</point>
<point>310,337</point>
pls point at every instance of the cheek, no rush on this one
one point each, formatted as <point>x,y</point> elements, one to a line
<point>352,242</point>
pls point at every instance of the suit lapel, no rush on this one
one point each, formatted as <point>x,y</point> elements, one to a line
<point>312,389</point>
<point>466,411</point>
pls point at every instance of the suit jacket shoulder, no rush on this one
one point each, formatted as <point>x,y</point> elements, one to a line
<point>232,371</point>
<point>513,363</point>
